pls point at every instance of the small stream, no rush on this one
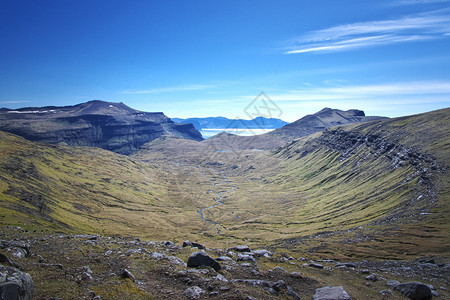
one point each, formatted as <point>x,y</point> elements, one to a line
<point>218,201</point>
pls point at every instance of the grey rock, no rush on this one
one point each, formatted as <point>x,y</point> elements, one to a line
<point>91,237</point>
<point>279,270</point>
<point>169,244</point>
<point>17,252</point>
<point>243,257</point>
<point>316,265</point>
<point>255,272</point>
<point>177,261</point>
<point>224,258</point>
<point>434,292</point>
<point>85,276</point>
<point>15,284</point>
<point>246,265</point>
<point>220,277</point>
<point>348,265</point>
<point>200,258</point>
<point>296,275</point>
<point>392,283</point>
<point>414,290</point>
<point>386,293</point>
<point>124,273</point>
<point>158,255</point>
<point>372,278</point>
<point>134,251</point>
<point>262,252</point>
<point>16,244</point>
<point>242,248</point>
<point>193,292</point>
<point>9,291</point>
<point>331,293</point>
<point>199,246</point>
<point>86,269</point>
<point>186,243</point>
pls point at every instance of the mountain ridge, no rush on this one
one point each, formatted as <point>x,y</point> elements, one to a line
<point>309,124</point>
<point>108,125</point>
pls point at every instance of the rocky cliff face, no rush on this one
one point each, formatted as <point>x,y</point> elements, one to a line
<point>112,126</point>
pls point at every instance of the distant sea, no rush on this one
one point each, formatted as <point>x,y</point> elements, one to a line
<point>207,133</point>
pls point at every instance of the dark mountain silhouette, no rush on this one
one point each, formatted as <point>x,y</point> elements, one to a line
<point>112,126</point>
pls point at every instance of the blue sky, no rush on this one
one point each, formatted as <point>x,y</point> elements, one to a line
<point>211,58</point>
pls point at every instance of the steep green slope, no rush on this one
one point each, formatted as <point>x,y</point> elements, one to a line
<point>381,187</point>
<point>378,189</point>
<point>86,190</point>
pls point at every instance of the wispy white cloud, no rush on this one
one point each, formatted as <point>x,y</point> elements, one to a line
<point>419,27</point>
<point>169,89</point>
<point>14,102</point>
<point>347,92</point>
<point>415,2</point>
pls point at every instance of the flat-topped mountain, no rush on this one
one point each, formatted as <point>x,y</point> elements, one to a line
<point>112,126</point>
<point>322,120</point>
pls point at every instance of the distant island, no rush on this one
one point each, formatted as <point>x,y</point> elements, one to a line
<point>211,126</point>
<point>222,122</point>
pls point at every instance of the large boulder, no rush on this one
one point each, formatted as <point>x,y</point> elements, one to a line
<point>15,284</point>
<point>200,258</point>
<point>414,290</point>
<point>331,293</point>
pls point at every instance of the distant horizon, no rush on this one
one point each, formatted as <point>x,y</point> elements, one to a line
<point>206,58</point>
<point>221,116</point>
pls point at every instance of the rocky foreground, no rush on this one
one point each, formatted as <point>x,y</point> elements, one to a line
<point>35,265</point>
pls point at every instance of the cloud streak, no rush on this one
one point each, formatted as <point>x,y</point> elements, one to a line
<point>14,102</point>
<point>366,91</point>
<point>170,89</point>
<point>420,27</point>
<point>416,2</point>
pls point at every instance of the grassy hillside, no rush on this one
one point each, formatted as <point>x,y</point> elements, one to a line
<point>377,189</point>
<point>368,190</point>
<point>85,190</point>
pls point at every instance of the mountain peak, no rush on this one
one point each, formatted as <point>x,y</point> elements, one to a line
<point>108,125</point>
<point>103,107</point>
<point>350,112</point>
